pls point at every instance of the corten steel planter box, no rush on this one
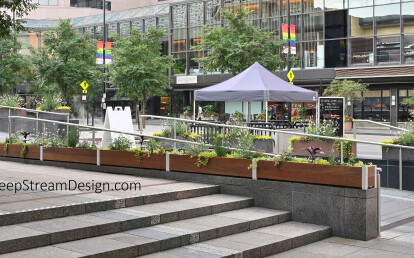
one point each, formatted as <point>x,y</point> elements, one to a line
<point>75,155</point>
<point>299,148</point>
<point>215,166</point>
<point>14,151</point>
<point>129,159</point>
<point>348,125</point>
<point>393,153</point>
<point>315,174</point>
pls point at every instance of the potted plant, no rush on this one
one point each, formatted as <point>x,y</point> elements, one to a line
<point>348,122</point>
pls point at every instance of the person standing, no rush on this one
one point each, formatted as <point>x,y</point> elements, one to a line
<point>200,112</point>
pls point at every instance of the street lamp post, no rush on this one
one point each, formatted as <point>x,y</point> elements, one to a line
<point>103,58</point>
<point>288,56</point>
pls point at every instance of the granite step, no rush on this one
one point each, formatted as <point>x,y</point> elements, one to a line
<point>162,237</point>
<point>104,203</point>
<point>59,230</point>
<point>260,242</point>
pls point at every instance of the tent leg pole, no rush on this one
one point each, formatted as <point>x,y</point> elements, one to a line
<point>266,110</point>
<point>194,110</point>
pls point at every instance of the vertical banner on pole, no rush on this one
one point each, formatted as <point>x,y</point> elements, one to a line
<point>285,36</point>
<point>108,52</point>
<point>293,39</point>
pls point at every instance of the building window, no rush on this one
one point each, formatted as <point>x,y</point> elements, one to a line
<point>196,14</point>
<point>336,24</point>
<point>387,19</point>
<point>362,51</point>
<point>195,68</point>
<point>270,8</point>
<point>313,54</point>
<point>213,12</point>
<point>90,3</point>
<point>313,26</point>
<point>179,16</point>
<point>46,2</point>
<point>336,53</point>
<point>180,65</point>
<point>179,39</point>
<point>361,22</point>
<point>388,49</point>
<point>313,6</point>
<point>137,25</point>
<point>409,49</point>
<point>331,5</point>
<point>150,23</point>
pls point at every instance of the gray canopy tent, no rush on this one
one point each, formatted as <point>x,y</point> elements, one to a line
<point>255,83</point>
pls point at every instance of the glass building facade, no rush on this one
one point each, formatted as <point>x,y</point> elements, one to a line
<point>330,35</point>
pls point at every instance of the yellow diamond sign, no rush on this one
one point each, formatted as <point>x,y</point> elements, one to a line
<point>84,85</point>
<point>290,76</point>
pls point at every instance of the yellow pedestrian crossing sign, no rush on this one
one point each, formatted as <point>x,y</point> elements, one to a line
<point>290,76</point>
<point>84,85</point>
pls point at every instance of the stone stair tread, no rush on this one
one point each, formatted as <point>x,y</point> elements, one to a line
<point>76,205</point>
<point>169,235</point>
<point>145,215</point>
<point>254,243</point>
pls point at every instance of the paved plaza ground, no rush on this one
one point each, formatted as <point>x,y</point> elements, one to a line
<point>397,237</point>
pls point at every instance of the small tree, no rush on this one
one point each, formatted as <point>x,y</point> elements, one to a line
<point>14,67</point>
<point>239,45</point>
<point>350,90</point>
<point>138,68</point>
<point>66,59</point>
<point>16,8</point>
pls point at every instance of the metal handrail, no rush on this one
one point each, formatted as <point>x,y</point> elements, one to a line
<point>280,131</point>
<point>378,123</point>
<point>94,128</point>
<point>35,111</point>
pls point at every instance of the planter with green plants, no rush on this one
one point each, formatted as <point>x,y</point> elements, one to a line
<point>393,153</point>
<point>120,153</point>
<point>298,144</point>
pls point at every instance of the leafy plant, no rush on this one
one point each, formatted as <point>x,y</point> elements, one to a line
<point>346,88</point>
<point>238,45</point>
<point>138,69</point>
<point>50,102</point>
<point>348,118</point>
<point>23,152</point>
<point>196,149</point>
<point>218,147</point>
<point>152,145</point>
<point>208,109</point>
<point>55,141</point>
<point>313,151</point>
<point>10,100</point>
<point>73,137</point>
<point>85,145</point>
<point>204,157</point>
<point>347,148</point>
<point>327,128</point>
<point>120,143</point>
<point>302,111</point>
<point>321,162</point>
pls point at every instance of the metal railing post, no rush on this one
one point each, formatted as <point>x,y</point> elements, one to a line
<point>67,127</point>
<point>278,142</point>
<point>222,137</point>
<point>342,152</point>
<point>354,128</point>
<point>37,123</point>
<point>175,133</point>
<point>400,168</point>
<point>93,137</point>
<point>378,175</point>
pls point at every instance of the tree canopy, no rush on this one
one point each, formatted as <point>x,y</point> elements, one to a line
<point>20,8</point>
<point>239,45</point>
<point>138,69</point>
<point>66,59</point>
<point>14,66</point>
<point>346,88</point>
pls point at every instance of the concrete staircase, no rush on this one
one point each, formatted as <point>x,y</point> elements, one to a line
<point>193,222</point>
